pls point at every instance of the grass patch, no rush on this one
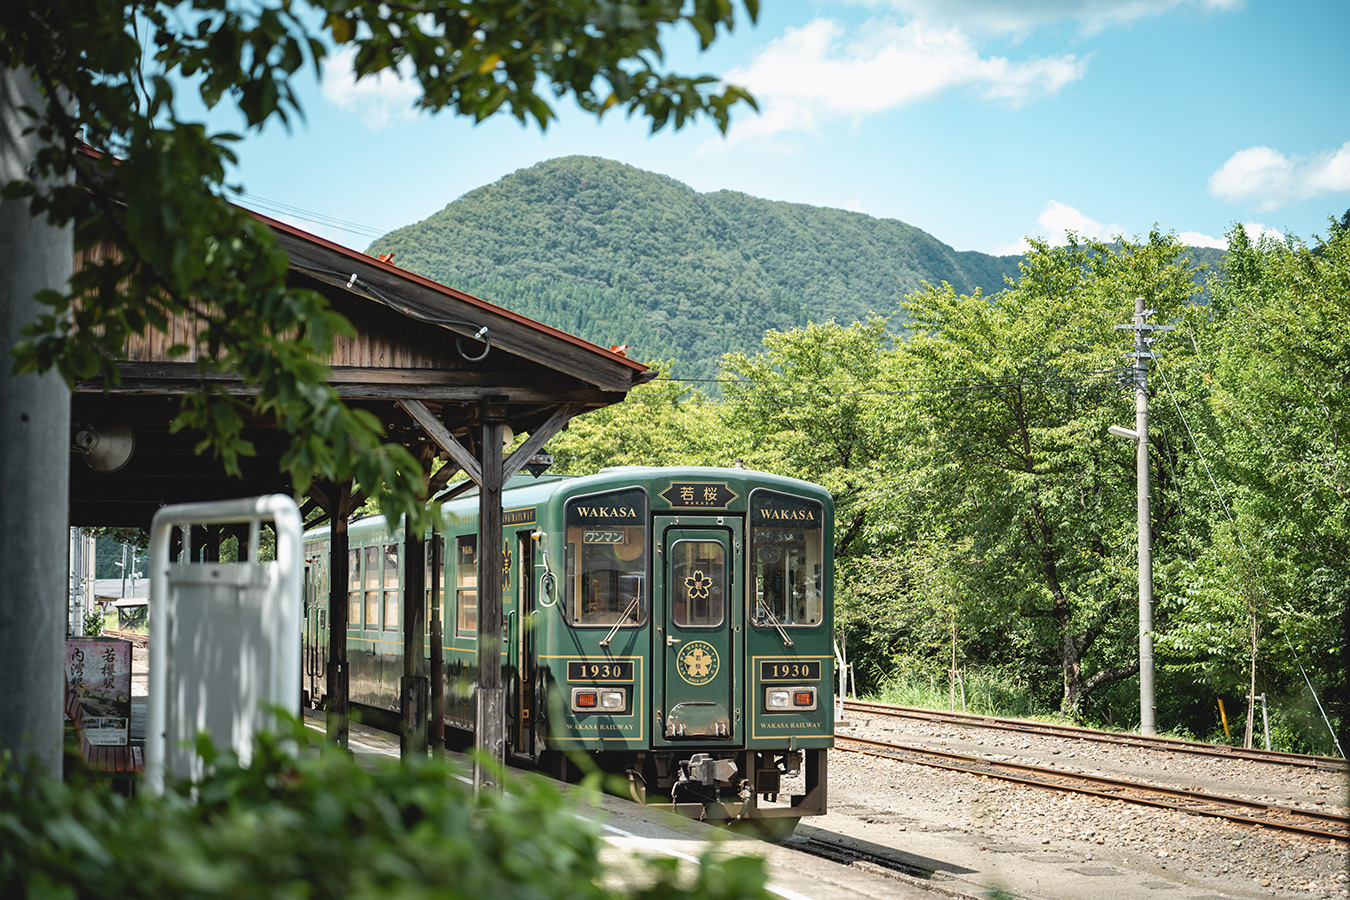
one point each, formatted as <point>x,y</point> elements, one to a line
<point>981,693</point>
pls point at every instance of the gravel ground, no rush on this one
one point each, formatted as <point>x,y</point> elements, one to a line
<point>964,821</point>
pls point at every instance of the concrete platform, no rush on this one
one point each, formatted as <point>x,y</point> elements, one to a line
<point>632,832</point>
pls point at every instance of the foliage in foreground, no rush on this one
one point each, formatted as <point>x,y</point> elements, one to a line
<point>322,826</point>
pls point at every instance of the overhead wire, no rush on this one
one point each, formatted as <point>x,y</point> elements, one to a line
<point>276,207</point>
<point>926,386</point>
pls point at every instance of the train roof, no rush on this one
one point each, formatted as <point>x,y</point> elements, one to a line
<point>525,490</point>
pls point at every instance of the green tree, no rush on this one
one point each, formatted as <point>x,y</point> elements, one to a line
<point>808,406</point>
<point>661,423</point>
<point>1266,596</point>
<point>1012,397</point>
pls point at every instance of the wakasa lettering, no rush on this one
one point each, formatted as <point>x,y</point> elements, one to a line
<point>607,512</point>
<point>796,515</point>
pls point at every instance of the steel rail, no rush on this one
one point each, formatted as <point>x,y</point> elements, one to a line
<point>134,637</point>
<point>1177,745</point>
<point>1178,799</point>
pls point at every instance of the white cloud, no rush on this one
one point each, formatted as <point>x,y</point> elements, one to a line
<point>819,73</point>
<point>1055,221</point>
<point>379,100</point>
<point>1058,218</point>
<point>1256,231</point>
<point>1200,239</point>
<point>1266,179</point>
<point>1018,19</point>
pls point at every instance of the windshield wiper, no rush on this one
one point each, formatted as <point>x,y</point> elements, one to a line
<point>787,641</point>
<point>632,606</point>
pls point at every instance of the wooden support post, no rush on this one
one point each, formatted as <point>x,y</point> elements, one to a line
<point>339,705</point>
<point>490,730</point>
<point>414,688</point>
<point>437,648</point>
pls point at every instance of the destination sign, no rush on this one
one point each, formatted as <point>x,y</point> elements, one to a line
<point>699,494</point>
<point>600,670</point>
<point>605,511</point>
<point>768,508</point>
<point>789,670</point>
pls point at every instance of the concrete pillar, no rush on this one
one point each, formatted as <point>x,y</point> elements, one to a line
<point>34,459</point>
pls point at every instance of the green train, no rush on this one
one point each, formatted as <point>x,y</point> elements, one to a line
<point>674,624</point>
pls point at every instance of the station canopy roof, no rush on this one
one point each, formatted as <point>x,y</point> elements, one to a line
<point>426,359</point>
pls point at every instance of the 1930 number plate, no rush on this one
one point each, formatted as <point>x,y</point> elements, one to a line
<point>599,670</point>
<point>789,670</point>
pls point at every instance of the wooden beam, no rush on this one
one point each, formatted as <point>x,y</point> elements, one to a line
<point>537,439</point>
<point>443,438</point>
<point>165,379</point>
<point>437,482</point>
<point>462,488</point>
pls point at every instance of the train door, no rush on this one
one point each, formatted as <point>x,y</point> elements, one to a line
<point>315,654</point>
<point>522,651</point>
<point>698,610</point>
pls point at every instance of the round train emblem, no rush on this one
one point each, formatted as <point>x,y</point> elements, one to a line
<point>697,662</point>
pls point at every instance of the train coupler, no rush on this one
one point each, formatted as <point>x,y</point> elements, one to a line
<point>707,769</point>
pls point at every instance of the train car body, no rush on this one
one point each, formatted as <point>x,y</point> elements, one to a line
<point>674,624</point>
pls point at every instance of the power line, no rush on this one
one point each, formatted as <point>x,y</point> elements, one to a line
<point>276,207</point>
<point>932,386</point>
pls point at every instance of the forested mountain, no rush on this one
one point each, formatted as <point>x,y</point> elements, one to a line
<point>618,255</point>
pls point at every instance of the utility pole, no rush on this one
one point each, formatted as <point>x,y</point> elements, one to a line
<point>1148,724</point>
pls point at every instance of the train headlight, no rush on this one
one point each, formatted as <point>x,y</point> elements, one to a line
<point>611,700</point>
<point>789,699</point>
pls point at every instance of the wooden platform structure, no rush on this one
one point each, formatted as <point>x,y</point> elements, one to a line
<point>446,372</point>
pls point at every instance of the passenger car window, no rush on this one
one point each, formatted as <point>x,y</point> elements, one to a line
<point>787,545</point>
<point>466,585</point>
<point>607,537</point>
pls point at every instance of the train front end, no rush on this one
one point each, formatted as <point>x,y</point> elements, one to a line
<point>691,647</point>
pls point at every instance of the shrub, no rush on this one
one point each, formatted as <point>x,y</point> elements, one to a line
<point>320,825</point>
<point>93,622</point>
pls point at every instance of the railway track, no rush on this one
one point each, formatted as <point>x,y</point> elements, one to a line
<point>135,637</point>
<point>1307,823</point>
<point>1071,732</point>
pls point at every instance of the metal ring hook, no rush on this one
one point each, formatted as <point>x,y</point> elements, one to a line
<point>480,336</point>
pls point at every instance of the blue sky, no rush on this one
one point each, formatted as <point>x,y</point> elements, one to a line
<point>977,121</point>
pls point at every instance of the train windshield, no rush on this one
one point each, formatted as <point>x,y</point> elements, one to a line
<point>787,543</point>
<point>607,539</point>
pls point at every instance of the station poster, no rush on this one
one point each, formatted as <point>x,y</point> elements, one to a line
<point>98,674</point>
